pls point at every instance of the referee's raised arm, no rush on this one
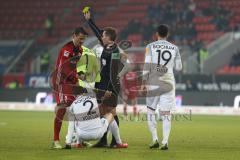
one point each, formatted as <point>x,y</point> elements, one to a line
<point>93,26</point>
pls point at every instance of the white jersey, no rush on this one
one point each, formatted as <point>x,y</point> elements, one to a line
<point>160,60</point>
<point>84,119</point>
<point>84,112</point>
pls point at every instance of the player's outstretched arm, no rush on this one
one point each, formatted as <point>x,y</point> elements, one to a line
<point>93,26</point>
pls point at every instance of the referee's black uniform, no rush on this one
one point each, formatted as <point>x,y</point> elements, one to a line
<point>110,67</point>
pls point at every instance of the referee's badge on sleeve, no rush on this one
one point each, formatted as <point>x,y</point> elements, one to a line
<point>115,56</point>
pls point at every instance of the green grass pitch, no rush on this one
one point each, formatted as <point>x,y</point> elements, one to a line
<point>28,136</point>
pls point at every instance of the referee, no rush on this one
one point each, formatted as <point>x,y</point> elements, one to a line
<point>110,68</point>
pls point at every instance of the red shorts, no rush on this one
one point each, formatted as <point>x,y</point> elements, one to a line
<point>64,95</point>
<point>61,98</point>
<point>132,95</point>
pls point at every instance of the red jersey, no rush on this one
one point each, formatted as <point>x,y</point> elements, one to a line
<point>66,64</point>
<point>130,81</point>
<point>65,74</point>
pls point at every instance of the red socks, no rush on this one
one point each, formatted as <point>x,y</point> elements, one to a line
<point>58,122</point>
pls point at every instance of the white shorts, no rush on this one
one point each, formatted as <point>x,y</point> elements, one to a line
<point>164,102</point>
<point>94,134</point>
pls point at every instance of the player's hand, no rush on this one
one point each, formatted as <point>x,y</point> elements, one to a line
<point>107,94</point>
<point>82,77</point>
<point>87,15</point>
<point>124,56</point>
<point>143,90</point>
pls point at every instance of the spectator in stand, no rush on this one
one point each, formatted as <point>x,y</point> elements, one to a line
<point>180,15</point>
<point>49,25</point>
<point>134,26</point>
<point>235,60</point>
<point>13,84</point>
<point>150,11</point>
<point>147,30</point>
<point>203,55</point>
<point>192,5</point>
<point>191,86</point>
<point>44,62</point>
<point>154,11</point>
<point>189,16</point>
<point>196,45</point>
<point>223,15</point>
<point>191,31</point>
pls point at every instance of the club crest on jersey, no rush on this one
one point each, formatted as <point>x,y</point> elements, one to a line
<point>66,53</point>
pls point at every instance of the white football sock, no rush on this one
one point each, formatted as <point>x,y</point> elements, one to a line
<point>70,132</point>
<point>166,127</point>
<point>113,127</point>
<point>152,124</point>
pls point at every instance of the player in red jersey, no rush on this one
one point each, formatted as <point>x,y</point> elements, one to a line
<point>65,78</point>
<point>129,85</point>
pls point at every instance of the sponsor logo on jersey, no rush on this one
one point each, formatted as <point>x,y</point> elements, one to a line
<point>66,53</point>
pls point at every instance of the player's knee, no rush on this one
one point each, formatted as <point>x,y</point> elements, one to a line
<point>109,117</point>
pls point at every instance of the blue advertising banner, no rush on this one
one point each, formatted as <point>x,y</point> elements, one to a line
<point>37,81</point>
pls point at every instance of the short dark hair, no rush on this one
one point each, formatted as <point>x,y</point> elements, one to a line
<point>163,30</point>
<point>79,30</point>
<point>111,32</point>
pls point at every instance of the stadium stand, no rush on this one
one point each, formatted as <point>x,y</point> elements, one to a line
<point>8,51</point>
<point>233,67</point>
<point>195,24</point>
<point>27,20</point>
<point>28,16</point>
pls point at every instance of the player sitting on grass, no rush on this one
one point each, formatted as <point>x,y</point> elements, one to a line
<point>84,117</point>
